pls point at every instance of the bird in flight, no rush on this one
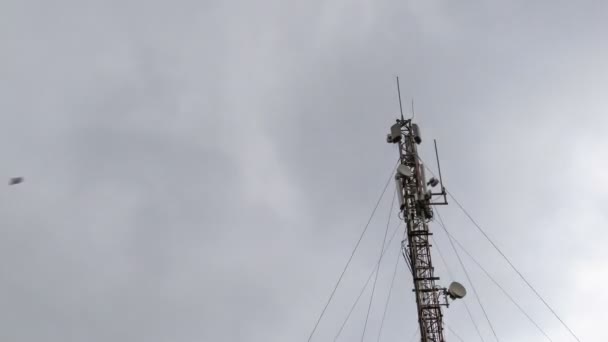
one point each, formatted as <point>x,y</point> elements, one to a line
<point>15,180</point>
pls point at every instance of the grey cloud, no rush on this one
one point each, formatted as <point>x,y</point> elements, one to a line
<point>200,171</point>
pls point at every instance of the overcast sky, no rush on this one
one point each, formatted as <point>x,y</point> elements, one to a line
<point>200,170</point>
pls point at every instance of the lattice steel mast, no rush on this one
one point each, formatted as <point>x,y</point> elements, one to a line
<point>416,199</point>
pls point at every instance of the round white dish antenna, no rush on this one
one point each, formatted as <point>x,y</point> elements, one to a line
<point>457,291</point>
<point>404,171</point>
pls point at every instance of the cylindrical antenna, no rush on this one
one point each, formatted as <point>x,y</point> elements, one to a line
<point>413,113</point>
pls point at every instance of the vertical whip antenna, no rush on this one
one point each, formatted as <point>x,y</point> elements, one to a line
<point>399,94</point>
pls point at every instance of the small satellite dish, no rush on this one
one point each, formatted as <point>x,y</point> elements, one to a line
<point>15,180</point>
<point>433,182</point>
<point>456,291</point>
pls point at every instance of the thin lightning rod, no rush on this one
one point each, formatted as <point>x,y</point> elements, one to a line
<point>399,93</point>
<point>438,166</point>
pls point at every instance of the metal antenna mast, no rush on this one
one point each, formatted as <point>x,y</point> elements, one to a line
<point>415,201</point>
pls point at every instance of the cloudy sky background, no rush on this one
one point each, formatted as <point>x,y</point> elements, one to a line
<point>200,170</point>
